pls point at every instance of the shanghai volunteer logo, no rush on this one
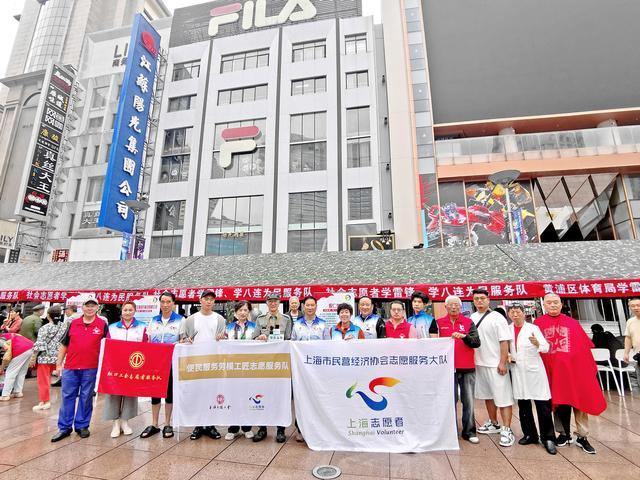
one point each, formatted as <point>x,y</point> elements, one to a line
<point>256,399</point>
<point>376,405</point>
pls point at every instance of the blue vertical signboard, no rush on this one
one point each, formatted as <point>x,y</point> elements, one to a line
<point>127,147</point>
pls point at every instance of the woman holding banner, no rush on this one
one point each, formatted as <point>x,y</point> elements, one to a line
<point>120,408</point>
<point>240,329</point>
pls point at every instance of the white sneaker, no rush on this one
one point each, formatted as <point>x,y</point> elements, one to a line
<point>248,435</point>
<point>230,436</point>
<point>507,438</point>
<point>115,431</point>
<point>488,428</point>
<point>473,439</point>
<point>46,406</point>
<point>37,407</point>
<point>126,429</point>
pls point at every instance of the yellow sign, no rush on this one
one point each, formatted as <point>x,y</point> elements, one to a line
<point>273,365</point>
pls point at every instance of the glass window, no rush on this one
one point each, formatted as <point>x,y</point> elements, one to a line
<point>357,79</point>
<point>89,219</point>
<point>308,146</point>
<point>169,216</point>
<point>186,70</point>
<point>236,62</point>
<point>355,44</point>
<point>99,98</point>
<point>165,247</point>
<point>360,204</point>
<point>309,51</point>
<point>235,226</point>
<point>83,159</point>
<point>177,140</point>
<point>94,189</point>
<point>96,151</point>
<point>72,219</point>
<point>95,123</point>
<point>308,86</point>
<point>358,137</point>
<point>242,95</point>
<point>174,168</point>
<point>307,222</point>
<point>180,103</point>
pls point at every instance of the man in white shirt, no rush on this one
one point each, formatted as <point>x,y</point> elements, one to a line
<point>203,326</point>
<point>493,384</point>
<point>632,334</point>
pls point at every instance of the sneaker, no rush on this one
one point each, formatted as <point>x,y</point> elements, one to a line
<point>17,395</point>
<point>230,436</point>
<point>37,407</point>
<point>248,435</point>
<point>563,440</point>
<point>489,427</point>
<point>126,429</point>
<point>583,443</point>
<point>473,439</point>
<point>46,406</point>
<point>507,438</point>
<point>6,398</point>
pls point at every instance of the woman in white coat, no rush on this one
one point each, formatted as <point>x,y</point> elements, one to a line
<point>530,381</point>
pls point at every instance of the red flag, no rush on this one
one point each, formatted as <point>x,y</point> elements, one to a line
<point>135,369</point>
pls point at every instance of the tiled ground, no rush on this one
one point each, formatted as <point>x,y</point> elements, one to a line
<point>26,453</point>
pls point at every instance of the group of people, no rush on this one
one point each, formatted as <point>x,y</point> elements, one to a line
<point>547,362</point>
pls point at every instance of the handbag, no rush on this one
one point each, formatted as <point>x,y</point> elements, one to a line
<point>8,355</point>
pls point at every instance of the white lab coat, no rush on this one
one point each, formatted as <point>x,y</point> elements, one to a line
<point>528,374</point>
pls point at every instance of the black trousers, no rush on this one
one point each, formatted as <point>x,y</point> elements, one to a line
<point>236,428</point>
<point>545,420</point>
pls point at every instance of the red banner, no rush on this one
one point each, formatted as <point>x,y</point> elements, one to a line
<point>134,369</point>
<point>607,288</point>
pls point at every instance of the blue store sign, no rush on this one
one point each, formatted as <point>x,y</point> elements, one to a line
<point>127,147</point>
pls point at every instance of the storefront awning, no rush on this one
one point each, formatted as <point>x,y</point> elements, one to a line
<point>580,269</point>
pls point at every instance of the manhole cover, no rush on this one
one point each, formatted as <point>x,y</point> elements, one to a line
<point>326,472</point>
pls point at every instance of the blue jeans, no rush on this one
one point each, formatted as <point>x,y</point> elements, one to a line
<point>77,385</point>
<point>467,383</point>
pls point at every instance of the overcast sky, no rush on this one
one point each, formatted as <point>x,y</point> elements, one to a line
<point>9,26</point>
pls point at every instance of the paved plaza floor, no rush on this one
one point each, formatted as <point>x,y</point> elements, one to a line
<point>26,452</point>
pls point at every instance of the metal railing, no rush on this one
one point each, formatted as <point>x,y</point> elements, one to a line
<point>534,146</point>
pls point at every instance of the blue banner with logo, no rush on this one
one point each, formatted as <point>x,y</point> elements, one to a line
<point>127,147</point>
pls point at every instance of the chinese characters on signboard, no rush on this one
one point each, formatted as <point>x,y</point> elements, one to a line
<point>127,147</point>
<point>35,202</point>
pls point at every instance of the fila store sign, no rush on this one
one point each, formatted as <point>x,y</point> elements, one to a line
<point>254,14</point>
<point>223,18</point>
<point>237,140</point>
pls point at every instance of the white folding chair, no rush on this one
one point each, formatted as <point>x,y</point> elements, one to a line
<point>628,369</point>
<point>602,355</point>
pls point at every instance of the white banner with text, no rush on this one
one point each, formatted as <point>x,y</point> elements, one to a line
<point>232,383</point>
<point>375,395</point>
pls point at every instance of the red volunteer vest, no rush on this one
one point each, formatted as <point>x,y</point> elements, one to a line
<point>463,354</point>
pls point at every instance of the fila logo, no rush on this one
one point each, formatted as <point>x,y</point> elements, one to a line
<point>294,11</point>
<point>237,140</point>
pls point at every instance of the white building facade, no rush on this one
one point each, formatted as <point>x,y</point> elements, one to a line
<point>314,89</point>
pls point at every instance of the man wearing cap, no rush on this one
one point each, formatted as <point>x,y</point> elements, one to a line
<point>201,327</point>
<point>267,323</point>
<point>32,323</point>
<point>530,380</point>
<point>79,350</point>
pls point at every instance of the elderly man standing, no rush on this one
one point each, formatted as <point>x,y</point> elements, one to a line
<point>572,373</point>
<point>530,380</point>
<point>464,331</point>
<point>32,323</point>
<point>267,323</point>
<point>79,351</point>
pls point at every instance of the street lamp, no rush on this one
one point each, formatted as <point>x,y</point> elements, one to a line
<point>136,206</point>
<point>505,178</point>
